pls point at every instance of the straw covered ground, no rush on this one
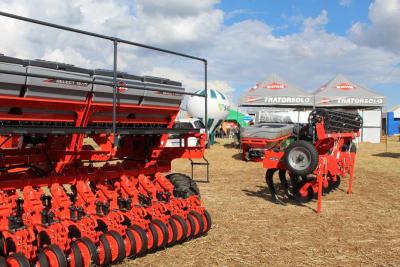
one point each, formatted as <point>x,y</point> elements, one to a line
<point>249,230</point>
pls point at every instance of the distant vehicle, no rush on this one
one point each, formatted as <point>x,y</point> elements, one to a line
<point>174,140</point>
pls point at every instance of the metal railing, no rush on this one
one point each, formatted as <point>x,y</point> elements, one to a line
<point>115,42</point>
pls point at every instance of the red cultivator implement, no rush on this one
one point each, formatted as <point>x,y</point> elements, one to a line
<point>320,153</point>
<point>82,156</point>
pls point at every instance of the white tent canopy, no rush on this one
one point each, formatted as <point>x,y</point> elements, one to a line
<point>275,91</point>
<point>341,92</point>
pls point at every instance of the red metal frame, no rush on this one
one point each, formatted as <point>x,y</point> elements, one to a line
<point>118,189</point>
<point>332,162</point>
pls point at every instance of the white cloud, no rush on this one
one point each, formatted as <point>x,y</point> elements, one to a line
<point>239,55</point>
<point>345,3</point>
<point>383,31</point>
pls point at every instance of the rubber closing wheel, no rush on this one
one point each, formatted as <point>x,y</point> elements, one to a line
<point>208,221</point>
<point>55,256</point>
<point>162,232</point>
<point>94,256</point>
<point>303,195</point>
<point>199,223</point>
<point>17,260</point>
<point>172,231</point>
<point>141,239</point>
<point>75,259</point>
<point>192,225</point>
<point>131,253</point>
<point>153,245</point>
<point>120,246</point>
<point>42,260</point>
<point>182,228</point>
<point>105,255</point>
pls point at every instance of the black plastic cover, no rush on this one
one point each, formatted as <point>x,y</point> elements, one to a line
<point>122,75</point>
<point>57,66</point>
<point>13,60</point>
<point>153,79</point>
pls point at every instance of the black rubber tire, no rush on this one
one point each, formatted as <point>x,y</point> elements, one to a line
<point>164,229</point>
<point>313,160</point>
<point>143,237</point>
<point>21,259</point>
<point>336,184</point>
<point>209,221</point>
<point>184,186</point>
<point>41,258</point>
<point>192,226</point>
<point>154,233</point>
<point>121,246</point>
<point>174,228</point>
<point>61,258</point>
<point>199,219</point>
<point>300,198</point>
<point>93,250</point>
<point>77,254</point>
<point>183,224</point>
<point>132,240</point>
<point>107,251</point>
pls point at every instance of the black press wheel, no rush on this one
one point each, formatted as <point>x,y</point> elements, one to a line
<point>155,237</point>
<point>140,238</point>
<point>208,221</point>
<point>76,259</point>
<point>199,225</point>
<point>92,249</point>
<point>303,195</point>
<point>107,255</point>
<point>163,230</point>
<point>54,253</point>
<point>181,224</point>
<point>174,229</point>
<point>41,258</point>
<point>17,260</point>
<point>301,157</point>
<point>3,261</point>
<point>121,246</point>
<point>131,254</point>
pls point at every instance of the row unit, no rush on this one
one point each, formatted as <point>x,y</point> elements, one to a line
<point>64,88</point>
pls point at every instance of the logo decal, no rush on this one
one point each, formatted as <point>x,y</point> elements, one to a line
<point>251,99</point>
<point>66,82</point>
<point>275,86</point>
<point>121,87</point>
<point>325,100</point>
<point>345,86</point>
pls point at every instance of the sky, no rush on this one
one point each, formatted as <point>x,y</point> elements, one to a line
<point>306,42</point>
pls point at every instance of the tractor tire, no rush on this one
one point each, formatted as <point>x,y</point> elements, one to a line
<point>301,157</point>
<point>184,186</point>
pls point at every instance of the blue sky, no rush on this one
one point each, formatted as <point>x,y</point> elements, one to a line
<point>307,42</point>
<point>287,17</point>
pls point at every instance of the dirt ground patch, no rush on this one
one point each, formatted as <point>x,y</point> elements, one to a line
<point>249,230</point>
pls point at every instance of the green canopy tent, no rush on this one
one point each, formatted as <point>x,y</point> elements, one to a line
<point>237,116</point>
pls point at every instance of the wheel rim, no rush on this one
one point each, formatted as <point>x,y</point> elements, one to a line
<point>117,246</point>
<point>181,227</point>
<point>42,260</point>
<point>104,249</point>
<point>75,257</point>
<point>199,224</point>
<point>130,244</point>
<point>84,244</point>
<point>207,221</point>
<point>152,238</point>
<point>140,238</point>
<point>299,158</point>
<point>162,232</point>
<point>173,231</point>
<point>55,256</point>
<point>17,260</point>
<point>191,226</point>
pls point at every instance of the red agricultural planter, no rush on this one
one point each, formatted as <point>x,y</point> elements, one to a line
<point>319,155</point>
<point>82,157</point>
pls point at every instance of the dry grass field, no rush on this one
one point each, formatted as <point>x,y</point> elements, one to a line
<point>362,229</point>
